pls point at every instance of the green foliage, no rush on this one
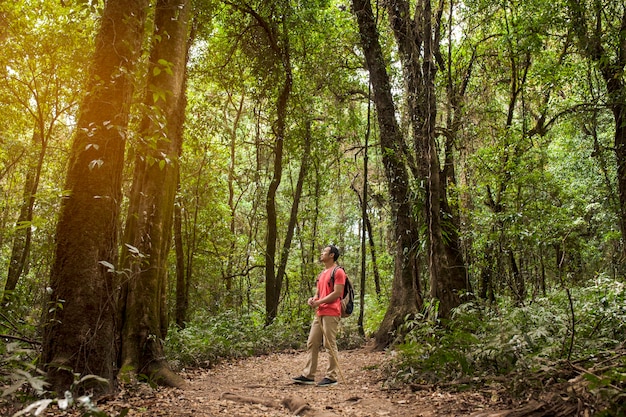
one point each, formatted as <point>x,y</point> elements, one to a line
<point>22,382</point>
<point>211,338</point>
<point>483,341</point>
<point>19,376</point>
<point>376,308</point>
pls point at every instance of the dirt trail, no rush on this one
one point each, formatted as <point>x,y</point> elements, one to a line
<point>256,387</point>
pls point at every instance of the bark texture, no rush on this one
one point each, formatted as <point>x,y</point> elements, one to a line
<point>406,293</point>
<point>418,40</point>
<point>151,210</point>
<point>80,326</point>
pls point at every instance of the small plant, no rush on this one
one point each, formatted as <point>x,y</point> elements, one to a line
<point>23,383</point>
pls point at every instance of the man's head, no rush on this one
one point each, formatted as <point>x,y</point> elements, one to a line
<point>334,251</point>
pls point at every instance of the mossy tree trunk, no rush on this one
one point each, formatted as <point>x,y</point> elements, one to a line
<point>80,328</point>
<point>151,211</point>
<point>406,296</point>
<point>418,41</point>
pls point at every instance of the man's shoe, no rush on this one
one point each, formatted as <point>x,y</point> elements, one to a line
<point>303,380</point>
<point>326,382</point>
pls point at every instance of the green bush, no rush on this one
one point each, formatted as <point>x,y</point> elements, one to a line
<point>482,340</point>
<point>208,339</point>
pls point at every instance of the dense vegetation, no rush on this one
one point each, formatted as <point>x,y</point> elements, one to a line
<point>497,155</point>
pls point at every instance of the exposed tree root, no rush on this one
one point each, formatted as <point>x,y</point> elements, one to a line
<point>297,406</point>
<point>164,376</point>
<point>159,372</point>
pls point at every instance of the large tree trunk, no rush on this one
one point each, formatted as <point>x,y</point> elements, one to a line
<point>80,328</point>
<point>416,37</point>
<point>150,214</point>
<point>406,297</point>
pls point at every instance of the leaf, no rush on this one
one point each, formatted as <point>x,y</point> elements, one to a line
<point>93,377</point>
<point>109,265</point>
<point>133,250</point>
<point>95,163</point>
<point>41,405</point>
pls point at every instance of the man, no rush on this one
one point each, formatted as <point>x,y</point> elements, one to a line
<point>327,302</point>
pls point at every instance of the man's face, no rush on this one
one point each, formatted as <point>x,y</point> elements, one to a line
<point>326,255</point>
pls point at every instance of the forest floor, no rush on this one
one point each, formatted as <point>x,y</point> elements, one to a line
<point>262,386</point>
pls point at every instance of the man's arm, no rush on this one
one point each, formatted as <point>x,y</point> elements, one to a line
<point>337,293</point>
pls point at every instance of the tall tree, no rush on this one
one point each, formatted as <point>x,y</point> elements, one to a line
<point>80,328</point>
<point>150,213</point>
<point>406,292</point>
<point>279,45</point>
<point>35,81</point>
<point>600,27</point>
<point>418,39</point>
<point>274,28</point>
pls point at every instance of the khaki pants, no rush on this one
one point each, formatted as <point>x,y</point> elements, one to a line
<point>323,328</point>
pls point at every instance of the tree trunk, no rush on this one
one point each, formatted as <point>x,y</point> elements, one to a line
<point>445,261</point>
<point>80,328</point>
<point>23,227</point>
<point>232,204</point>
<point>293,216</point>
<point>611,61</point>
<point>273,282</point>
<point>150,214</point>
<point>182,283</point>
<point>406,296</point>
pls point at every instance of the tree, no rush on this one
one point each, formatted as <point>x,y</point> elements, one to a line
<point>419,36</point>
<point>35,80</point>
<point>150,214</point>
<point>80,327</point>
<point>601,31</point>
<point>406,292</point>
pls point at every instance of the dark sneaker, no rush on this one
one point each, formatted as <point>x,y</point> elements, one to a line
<point>303,380</point>
<point>326,382</point>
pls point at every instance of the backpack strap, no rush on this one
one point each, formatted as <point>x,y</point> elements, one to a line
<point>332,277</point>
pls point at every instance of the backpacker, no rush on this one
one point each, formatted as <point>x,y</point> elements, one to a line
<point>347,299</point>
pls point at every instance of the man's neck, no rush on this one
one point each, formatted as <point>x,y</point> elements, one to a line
<point>329,264</point>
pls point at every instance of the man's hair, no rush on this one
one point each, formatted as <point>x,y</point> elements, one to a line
<point>334,251</point>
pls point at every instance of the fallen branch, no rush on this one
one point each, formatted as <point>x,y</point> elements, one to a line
<point>297,406</point>
<point>250,400</point>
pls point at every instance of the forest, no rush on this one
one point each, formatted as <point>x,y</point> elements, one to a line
<point>171,169</point>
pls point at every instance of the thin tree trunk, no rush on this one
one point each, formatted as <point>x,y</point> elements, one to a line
<point>23,228</point>
<point>182,285</point>
<point>80,326</point>
<point>297,196</point>
<point>273,282</point>
<point>151,209</point>
<point>232,205</point>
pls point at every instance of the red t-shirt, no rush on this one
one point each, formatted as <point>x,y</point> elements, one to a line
<point>324,288</point>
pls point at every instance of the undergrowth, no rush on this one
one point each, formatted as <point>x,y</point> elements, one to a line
<point>565,335</point>
<point>210,339</point>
